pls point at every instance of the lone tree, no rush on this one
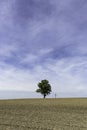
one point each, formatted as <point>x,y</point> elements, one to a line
<point>44,87</point>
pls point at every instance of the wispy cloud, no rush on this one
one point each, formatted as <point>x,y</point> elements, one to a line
<point>43,39</point>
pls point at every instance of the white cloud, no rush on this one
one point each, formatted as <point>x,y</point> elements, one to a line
<point>5,12</point>
<point>12,78</point>
<point>28,58</point>
<point>45,51</point>
<point>40,38</point>
<point>59,73</point>
<point>7,49</point>
<point>32,58</point>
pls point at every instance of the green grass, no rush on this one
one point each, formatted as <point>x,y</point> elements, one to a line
<point>40,114</point>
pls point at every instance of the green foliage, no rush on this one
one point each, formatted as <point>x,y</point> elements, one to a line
<point>44,88</point>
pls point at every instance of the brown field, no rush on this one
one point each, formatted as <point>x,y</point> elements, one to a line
<point>40,114</point>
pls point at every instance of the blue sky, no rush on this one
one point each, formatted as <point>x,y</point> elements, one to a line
<point>43,39</point>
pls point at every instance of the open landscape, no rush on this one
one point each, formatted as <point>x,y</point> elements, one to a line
<point>43,114</point>
<point>43,60</point>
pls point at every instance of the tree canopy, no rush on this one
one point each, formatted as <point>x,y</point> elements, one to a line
<point>44,88</point>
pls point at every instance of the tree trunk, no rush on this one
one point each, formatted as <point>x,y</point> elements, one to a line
<point>44,96</point>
